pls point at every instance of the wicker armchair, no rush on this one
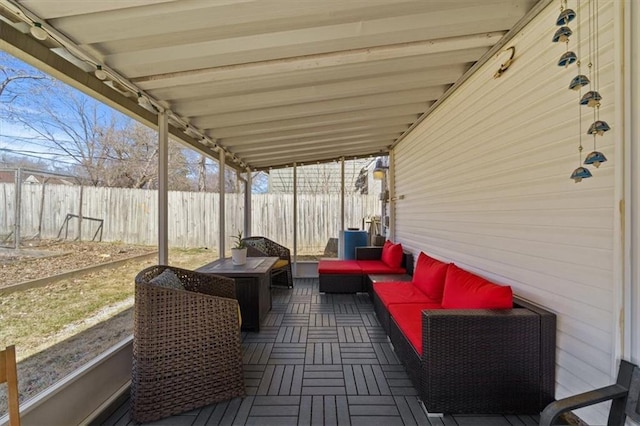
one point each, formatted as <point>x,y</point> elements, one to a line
<point>264,247</point>
<point>186,347</point>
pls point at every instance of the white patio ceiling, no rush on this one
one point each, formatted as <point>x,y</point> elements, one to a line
<point>278,81</point>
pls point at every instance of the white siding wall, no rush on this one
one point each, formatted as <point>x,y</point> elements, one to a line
<point>485,180</point>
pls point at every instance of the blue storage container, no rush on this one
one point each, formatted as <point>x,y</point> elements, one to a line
<point>350,240</point>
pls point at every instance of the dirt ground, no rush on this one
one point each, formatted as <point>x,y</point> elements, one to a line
<point>40,259</point>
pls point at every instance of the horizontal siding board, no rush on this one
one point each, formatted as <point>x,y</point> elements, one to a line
<point>568,382</point>
<point>579,368</point>
<point>589,355</point>
<point>484,181</point>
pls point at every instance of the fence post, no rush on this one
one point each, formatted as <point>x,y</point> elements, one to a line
<point>80,214</point>
<point>18,207</point>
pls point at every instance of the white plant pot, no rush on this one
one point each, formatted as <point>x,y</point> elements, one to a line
<point>239,256</point>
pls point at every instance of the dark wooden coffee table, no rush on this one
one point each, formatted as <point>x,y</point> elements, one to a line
<point>253,286</point>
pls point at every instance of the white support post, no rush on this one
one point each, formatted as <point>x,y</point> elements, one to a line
<point>628,199</point>
<point>633,70</point>
<point>294,268</point>
<point>342,227</point>
<point>222,221</point>
<point>247,204</point>
<point>391,181</point>
<point>163,188</point>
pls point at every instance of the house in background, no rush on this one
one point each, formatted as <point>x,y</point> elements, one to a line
<point>33,180</point>
<point>31,176</point>
<point>324,178</point>
<point>7,176</point>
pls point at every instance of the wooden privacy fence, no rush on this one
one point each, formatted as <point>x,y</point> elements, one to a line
<point>130,215</point>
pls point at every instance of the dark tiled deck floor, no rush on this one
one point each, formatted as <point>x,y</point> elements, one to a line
<point>321,359</point>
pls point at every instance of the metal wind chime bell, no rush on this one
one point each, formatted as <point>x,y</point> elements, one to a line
<point>592,97</point>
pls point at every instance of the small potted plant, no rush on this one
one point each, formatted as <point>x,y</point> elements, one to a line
<point>239,250</point>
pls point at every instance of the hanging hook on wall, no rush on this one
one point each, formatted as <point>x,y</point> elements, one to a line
<point>504,67</point>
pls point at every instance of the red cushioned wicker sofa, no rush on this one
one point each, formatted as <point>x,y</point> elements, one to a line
<point>469,345</point>
<point>349,276</point>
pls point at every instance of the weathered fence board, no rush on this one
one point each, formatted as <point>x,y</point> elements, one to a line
<point>130,215</point>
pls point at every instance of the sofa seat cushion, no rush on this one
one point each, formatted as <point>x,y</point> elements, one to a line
<point>341,267</point>
<point>392,254</point>
<point>378,267</point>
<point>400,292</point>
<point>465,290</point>
<point>429,276</point>
<point>408,316</point>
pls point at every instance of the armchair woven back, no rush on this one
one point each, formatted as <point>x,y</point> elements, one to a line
<point>264,247</point>
<point>186,347</point>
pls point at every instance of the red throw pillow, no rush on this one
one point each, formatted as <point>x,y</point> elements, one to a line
<point>464,290</point>
<point>392,254</point>
<point>429,276</point>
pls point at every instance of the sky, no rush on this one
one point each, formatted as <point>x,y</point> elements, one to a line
<point>18,140</point>
<point>15,138</point>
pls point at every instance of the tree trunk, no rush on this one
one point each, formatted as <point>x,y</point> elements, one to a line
<point>202,174</point>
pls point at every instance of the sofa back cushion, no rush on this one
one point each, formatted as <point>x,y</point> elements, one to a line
<point>392,254</point>
<point>429,276</point>
<point>464,290</point>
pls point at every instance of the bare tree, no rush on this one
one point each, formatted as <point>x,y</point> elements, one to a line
<point>14,161</point>
<point>213,181</point>
<point>106,148</point>
<point>69,125</point>
<point>14,81</point>
<point>133,159</point>
<point>102,146</point>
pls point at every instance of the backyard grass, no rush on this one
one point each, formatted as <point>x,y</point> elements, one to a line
<point>38,318</point>
<point>62,326</point>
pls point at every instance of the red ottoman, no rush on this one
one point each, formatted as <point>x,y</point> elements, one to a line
<point>340,276</point>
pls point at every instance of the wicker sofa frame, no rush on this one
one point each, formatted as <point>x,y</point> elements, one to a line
<point>355,283</point>
<point>381,312</point>
<point>186,346</point>
<point>482,361</point>
<point>264,247</point>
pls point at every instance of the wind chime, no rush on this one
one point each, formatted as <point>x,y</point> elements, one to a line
<point>592,98</point>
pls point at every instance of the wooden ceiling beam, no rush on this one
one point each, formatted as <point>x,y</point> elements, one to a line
<point>398,122</point>
<point>323,107</point>
<point>322,60</point>
<point>331,119</point>
<point>379,144</point>
<point>319,93</point>
<point>313,141</point>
